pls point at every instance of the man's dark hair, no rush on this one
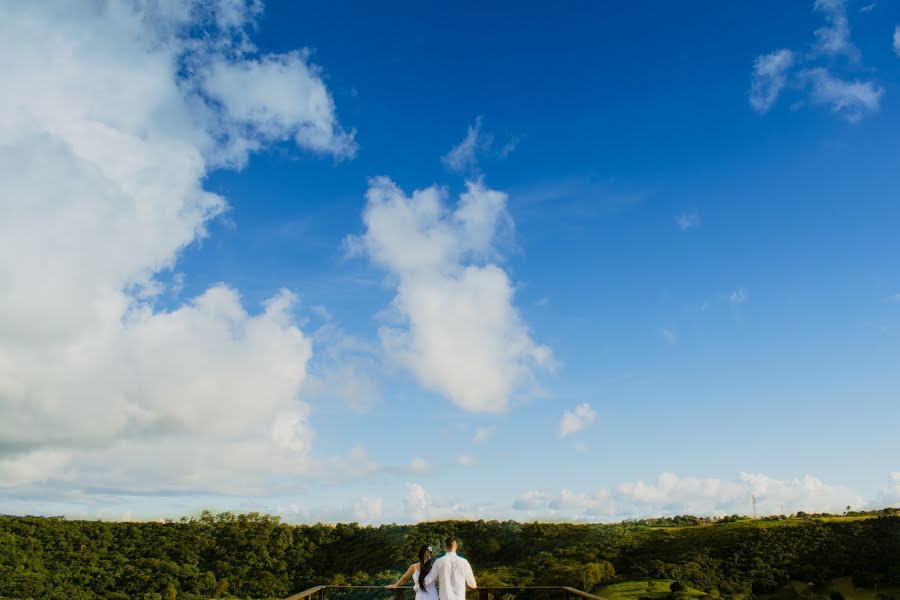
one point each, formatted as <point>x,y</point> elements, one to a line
<point>449,541</point>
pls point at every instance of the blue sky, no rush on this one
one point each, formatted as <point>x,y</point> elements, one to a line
<point>696,228</point>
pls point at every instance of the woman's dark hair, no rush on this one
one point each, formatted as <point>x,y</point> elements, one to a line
<point>425,563</point>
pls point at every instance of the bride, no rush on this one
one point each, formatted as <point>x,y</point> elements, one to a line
<point>418,571</point>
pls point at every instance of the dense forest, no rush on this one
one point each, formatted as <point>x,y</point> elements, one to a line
<point>257,556</point>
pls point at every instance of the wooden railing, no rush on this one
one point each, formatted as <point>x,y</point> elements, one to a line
<point>484,593</point>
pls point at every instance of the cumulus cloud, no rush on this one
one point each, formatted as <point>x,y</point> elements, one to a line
<point>368,510</point>
<point>509,147</point>
<point>344,367</point>
<point>463,156</point>
<point>465,460</point>
<point>666,495</point>
<point>276,97</point>
<point>36,466</point>
<point>573,421</point>
<point>687,221</point>
<point>850,99</point>
<point>833,38</point>
<point>420,505</point>
<point>111,118</point>
<point>770,73</point>
<point>774,71</point>
<point>671,495</point>
<point>738,297</point>
<point>419,465</point>
<point>483,434</point>
<point>458,330</point>
<point>416,502</point>
<point>888,496</point>
<point>532,500</point>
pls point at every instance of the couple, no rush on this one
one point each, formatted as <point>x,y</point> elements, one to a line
<point>452,571</point>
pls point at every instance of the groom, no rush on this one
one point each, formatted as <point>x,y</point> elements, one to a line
<point>453,572</point>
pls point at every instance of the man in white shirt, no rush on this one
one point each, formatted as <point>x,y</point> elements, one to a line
<point>452,572</point>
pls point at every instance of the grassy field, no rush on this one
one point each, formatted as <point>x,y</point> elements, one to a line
<point>766,522</point>
<point>845,586</point>
<point>653,588</point>
<point>659,588</point>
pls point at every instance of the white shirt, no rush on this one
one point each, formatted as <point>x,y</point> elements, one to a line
<point>453,573</point>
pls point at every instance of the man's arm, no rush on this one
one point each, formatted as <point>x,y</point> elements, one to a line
<point>470,577</point>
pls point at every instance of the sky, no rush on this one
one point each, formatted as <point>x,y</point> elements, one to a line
<point>410,261</point>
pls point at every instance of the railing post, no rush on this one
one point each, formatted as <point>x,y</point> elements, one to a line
<point>568,595</point>
<point>482,595</point>
<point>401,593</point>
<point>322,594</point>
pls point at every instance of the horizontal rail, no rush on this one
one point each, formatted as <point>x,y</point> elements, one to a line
<point>582,594</point>
<point>318,592</point>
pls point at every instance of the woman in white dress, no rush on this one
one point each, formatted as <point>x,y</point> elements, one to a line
<point>418,571</point>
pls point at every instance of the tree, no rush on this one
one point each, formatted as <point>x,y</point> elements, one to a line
<point>221,588</point>
<point>595,573</point>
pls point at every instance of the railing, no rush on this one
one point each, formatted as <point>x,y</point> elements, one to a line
<point>484,593</point>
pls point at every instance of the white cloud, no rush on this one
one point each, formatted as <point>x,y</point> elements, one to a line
<point>888,496</point>
<point>419,465</point>
<point>420,505</point>
<point>368,510</point>
<point>834,38</point>
<point>897,40</point>
<point>850,99</point>
<point>464,156</point>
<point>458,330</point>
<point>687,221</point>
<point>111,118</point>
<point>669,335</point>
<point>509,147</point>
<point>356,465</point>
<point>344,367</point>
<point>417,502</point>
<point>465,460</point>
<point>483,434</point>
<point>575,420</point>
<point>277,97</point>
<point>770,73</point>
<point>531,501</point>
<point>35,466</point>
<point>672,495</point>
<point>738,297</point>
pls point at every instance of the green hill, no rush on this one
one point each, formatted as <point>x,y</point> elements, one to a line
<point>254,556</point>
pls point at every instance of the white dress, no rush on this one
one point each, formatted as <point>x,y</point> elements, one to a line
<point>430,591</point>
